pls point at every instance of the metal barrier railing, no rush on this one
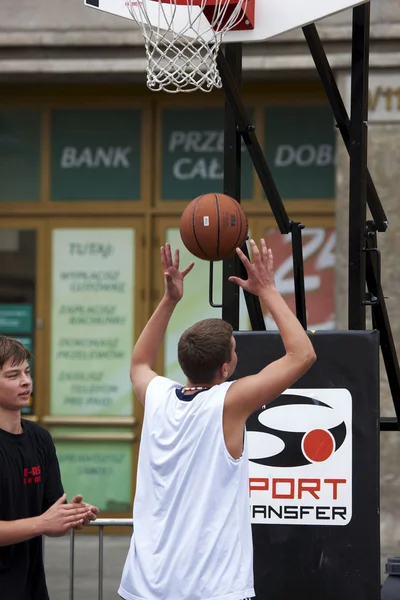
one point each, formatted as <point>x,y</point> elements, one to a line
<point>100,523</point>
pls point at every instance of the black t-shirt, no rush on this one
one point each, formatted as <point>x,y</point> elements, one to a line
<point>30,483</point>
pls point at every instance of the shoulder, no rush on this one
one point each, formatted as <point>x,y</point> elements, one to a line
<point>37,432</point>
<point>159,391</point>
<point>160,383</point>
<point>224,387</point>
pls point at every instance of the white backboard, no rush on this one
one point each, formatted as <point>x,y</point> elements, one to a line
<point>272,17</point>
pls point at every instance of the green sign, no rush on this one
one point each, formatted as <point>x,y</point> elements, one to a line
<point>193,154</point>
<point>16,318</point>
<point>300,150</point>
<point>92,321</point>
<point>95,154</point>
<point>100,471</point>
<point>20,155</point>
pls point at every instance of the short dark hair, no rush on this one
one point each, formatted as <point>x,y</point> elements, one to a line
<point>204,348</point>
<point>14,350</point>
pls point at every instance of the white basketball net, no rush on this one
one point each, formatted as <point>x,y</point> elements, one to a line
<point>181,43</point>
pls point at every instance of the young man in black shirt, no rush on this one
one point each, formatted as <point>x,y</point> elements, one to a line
<point>32,499</point>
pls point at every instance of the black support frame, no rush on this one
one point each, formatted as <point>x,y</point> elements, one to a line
<point>363,255</point>
<point>232,187</point>
<point>235,113</point>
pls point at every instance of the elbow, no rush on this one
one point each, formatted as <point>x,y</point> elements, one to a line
<point>310,358</point>
<point>134,370</point>
<point>132,373</point>
<point>304,359</point>
<point>136,362</point>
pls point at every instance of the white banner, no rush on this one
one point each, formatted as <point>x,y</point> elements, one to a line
<point>92,321</point>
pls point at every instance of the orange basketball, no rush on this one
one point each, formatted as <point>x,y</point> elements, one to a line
<point>212,226</point>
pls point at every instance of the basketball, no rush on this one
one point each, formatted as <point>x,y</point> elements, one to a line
<point>212,226</point>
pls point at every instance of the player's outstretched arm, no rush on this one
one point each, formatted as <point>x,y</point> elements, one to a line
<point>248,394</point>
<point>150,340</point>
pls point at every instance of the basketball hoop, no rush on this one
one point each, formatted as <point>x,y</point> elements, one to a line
<point>183,37</point>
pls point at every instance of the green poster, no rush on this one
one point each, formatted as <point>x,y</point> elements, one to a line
<point>95,154</point>
<point>20,155</point>
<point>194,305</point>
<point>193,154</point>
<point>300,150</point>
<point>92,321</point>
<point>100,471</point>
<point>16,318</point>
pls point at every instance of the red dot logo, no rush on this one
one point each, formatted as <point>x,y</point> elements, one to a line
<point>318,445</point>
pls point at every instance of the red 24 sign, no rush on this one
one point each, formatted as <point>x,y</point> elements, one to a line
<point>319,264</point>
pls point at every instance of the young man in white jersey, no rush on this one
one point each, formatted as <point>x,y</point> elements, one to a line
<point>192,533</point>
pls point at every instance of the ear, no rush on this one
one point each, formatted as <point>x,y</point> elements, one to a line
<point>224,371</point>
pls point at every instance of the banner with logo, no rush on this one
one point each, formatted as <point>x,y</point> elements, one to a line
<point>92,321</point>
<point>314,470</point>
<point>300,451</point>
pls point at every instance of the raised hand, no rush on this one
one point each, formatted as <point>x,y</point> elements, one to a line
<point>173,277</point>
<point>62,517</point>
<point>260,272</point>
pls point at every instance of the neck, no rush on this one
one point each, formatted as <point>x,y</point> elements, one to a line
<point>194,388</point>
<point>197,387</point>
<point>10,420</point>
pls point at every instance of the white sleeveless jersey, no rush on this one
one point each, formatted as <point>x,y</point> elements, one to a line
<point>192,533</point>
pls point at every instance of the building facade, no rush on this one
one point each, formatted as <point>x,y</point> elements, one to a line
<point>94,173</point>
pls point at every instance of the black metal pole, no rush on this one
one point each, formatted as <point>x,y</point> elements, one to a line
<point>298,273</point>
<point>389,424</point>
<point>380,318</point>
<point>254,309</point>
<point>246,129</point>
<point>358,166</point>
<point>382,323</point>
<point>228,68</point>
<point>342,119</point>
<point>232,187</point>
